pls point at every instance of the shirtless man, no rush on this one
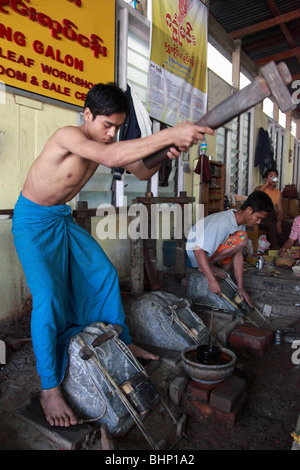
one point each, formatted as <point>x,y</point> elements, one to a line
<point>43,227</point>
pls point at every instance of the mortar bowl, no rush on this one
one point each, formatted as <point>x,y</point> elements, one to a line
<point>208,374</point>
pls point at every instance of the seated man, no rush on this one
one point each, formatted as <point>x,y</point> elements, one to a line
<point>220,238</point>
<point>277,229</point>
<point>72,282</point>
<point>294,236</point>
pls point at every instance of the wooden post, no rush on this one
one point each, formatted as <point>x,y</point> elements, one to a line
<point>236,63</point>
<point>180,253</point>
<point>180,240</point>
<point>136,264</point>
<point>83,215</point>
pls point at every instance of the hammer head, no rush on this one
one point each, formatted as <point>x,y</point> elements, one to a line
<point>277,77</point>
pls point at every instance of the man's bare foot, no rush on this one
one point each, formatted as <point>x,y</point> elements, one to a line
<point>55,408</point>
<point>140,353</point>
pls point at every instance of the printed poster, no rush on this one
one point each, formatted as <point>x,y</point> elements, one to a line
<point>177,80</point>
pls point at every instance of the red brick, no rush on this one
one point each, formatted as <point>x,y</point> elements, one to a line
<point>230,418</point>
<point>196,393</point>
<point>250,339</point>
<point>204,408</point>
<point>226,395</point>
<point>208,411</point>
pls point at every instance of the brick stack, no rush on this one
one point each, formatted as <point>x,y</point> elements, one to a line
<point>222,401</point>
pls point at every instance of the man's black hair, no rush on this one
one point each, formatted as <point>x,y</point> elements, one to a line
<point>258,201</point>
<point>106,99</point>
<point>267,172</point>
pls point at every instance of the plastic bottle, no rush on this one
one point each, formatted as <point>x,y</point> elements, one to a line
<point>136,5</point>
<point>203,147</point>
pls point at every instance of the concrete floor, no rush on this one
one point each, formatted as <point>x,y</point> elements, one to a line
<point>266,421</point>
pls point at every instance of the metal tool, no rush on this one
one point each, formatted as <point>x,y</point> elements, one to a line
<point>86,351</point>
<point>262,315</point>
<point>122,395</point>
<point>237,308</point>
<point>242,304</point>
<point>237,298</point>
<point>123,392</point>
<point>272,81</point>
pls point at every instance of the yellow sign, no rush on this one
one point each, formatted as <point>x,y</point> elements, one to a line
<point>177,80</point>
<point>57,48</point>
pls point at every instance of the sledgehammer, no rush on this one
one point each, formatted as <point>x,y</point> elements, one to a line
<point>271,81</point>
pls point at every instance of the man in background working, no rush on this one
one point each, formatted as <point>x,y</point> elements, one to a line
<point>215,243</point>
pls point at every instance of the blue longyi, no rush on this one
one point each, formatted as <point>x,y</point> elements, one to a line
<point>72,283</point>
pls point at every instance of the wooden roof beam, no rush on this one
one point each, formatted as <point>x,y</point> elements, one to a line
<point>288,36</point>
<point>277,57</point>
<point>283,26</point>
<point>291,15</point>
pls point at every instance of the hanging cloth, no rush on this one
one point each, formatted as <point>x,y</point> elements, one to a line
<point>264,152</point>
<point>129,130</point>
<point>206,177</point>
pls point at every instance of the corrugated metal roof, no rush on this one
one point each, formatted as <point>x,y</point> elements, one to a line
<point>236,14</point>
<point>267,42</point>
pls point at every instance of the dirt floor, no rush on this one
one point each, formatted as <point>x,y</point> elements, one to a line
<point>265,421</point>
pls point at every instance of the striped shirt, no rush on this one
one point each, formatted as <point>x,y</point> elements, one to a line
<point>295,231</point>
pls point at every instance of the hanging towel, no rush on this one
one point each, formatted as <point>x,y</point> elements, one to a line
<point>72,283</point>
<point>206,172</point>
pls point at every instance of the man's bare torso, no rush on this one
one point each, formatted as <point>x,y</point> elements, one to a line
<point>71,156</point>
<point>56,176</point>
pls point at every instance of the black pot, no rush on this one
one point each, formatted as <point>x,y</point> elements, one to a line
<point>206,355</point>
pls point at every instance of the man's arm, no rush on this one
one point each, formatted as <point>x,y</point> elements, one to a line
<point>238,268</point>
<point>140,170</point>
<point>286,246</point>
<point>121,154</point>
<point>262,187</point>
